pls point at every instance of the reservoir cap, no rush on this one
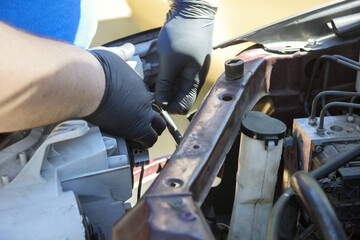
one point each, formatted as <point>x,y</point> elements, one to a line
<point>258,125</point>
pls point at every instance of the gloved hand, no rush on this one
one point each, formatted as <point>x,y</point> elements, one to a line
<point>125,109</point>
<point>184,46</point>
<point>125,51</point>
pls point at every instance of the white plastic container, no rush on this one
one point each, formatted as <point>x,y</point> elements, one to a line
<point>259,159</point>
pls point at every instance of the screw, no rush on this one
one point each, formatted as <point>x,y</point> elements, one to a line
<point>311,42</point>
<point>319,149</point>
<point>289,142</point>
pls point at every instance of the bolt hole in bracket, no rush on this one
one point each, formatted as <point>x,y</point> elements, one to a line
<point>196,146</point>
<point>227,97</point>
<point>174,182</point>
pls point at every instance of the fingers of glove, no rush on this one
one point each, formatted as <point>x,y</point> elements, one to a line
<point>187,87</point>
<point>163,92</point>
<point>146,141</point>
<point>158,123</point>
<point>166,80</point>
<point>170,65</point>
<point>158,126</point>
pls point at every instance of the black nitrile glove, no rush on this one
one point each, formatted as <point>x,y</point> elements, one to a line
<point>184,47</point>
<point>125,109</point>
<point>125,51</point>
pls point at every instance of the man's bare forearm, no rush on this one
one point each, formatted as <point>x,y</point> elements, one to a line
<point>44,81</point>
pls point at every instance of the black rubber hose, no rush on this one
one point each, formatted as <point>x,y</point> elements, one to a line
<point>289,220</point>
<point>318,206</point>
<point>273,230</point>
<point>321,172</point>
<point>306,233</point>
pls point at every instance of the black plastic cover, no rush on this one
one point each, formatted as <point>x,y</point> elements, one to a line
<point>258,125</point>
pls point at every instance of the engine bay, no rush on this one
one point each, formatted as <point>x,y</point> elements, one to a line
<point>279,132</point>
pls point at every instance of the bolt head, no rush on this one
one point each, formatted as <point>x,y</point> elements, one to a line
<point>234,69</point>
<point>311,42</point>
<point>319,149</point>
<point>312,121</point>
<point>320,132</point>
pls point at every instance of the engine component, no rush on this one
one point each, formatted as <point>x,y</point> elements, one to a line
<point>317,206</point>
<point>343,191</point>
<point>260,154</point>
<point>286,198</point>
<point>75,184</point>
<point>340,136</point>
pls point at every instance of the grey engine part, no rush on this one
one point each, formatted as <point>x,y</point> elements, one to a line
<point>74,186</point>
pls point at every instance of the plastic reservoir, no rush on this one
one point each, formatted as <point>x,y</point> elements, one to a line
<point>259,159</point>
